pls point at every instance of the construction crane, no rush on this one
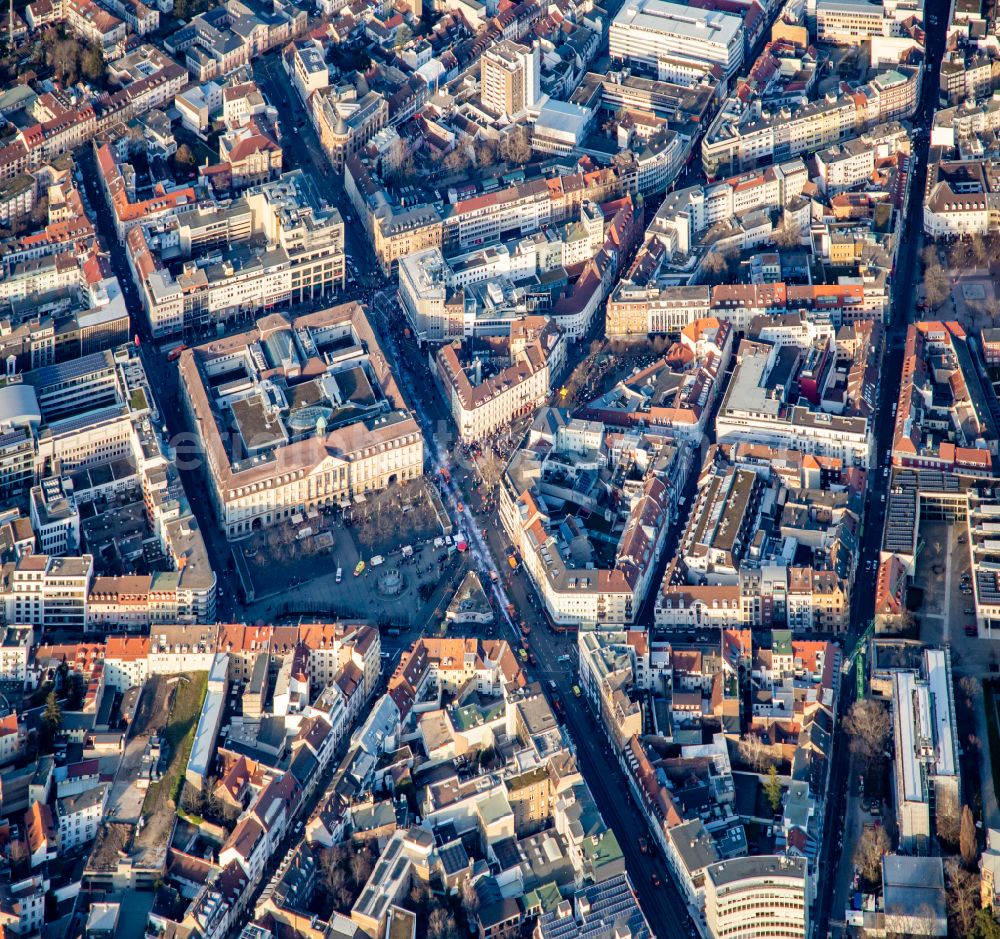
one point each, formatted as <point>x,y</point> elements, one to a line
<point>858,656</point>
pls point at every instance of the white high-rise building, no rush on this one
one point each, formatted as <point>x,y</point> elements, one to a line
<point>758,896</point>
<point>646,31</point>
<point>509,78</point>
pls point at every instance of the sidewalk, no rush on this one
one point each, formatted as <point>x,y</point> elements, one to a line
<point>991,812</point>
<point>854,820</point>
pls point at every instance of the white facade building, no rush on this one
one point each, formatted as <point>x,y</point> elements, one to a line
<point>49,592</point>
<point>80,816</point>
<point>758,896</point>
<point>55,517</point>
<point>926,750</point>
<point>645,31</point>
<point>850,22</point>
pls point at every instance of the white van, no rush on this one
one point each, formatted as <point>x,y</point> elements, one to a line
<point>377,560</point>
<point>340,574</point>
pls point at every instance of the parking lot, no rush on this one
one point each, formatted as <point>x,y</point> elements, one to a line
<point>151,717</point>
<point>938,570</point>
<point>947,614</point>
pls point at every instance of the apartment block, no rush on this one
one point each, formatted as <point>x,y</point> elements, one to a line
<point>919,439</point>
<point>570,456</point>
<point>743,135</point>
<point>302,258</point>
<point>962,199</point>
<point>730,567</point>
<point>483,404</point>
<point>676,394</point>
<point>764,403</point>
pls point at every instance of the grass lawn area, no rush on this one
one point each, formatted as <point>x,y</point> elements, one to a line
<point>992,730</point>
<point>189,696</point>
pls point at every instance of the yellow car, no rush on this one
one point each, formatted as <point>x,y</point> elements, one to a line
<point>576,691</point>
<point>524,654</point>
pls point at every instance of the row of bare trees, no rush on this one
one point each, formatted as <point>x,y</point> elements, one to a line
<point>511,147</point>
<point>937,285</point>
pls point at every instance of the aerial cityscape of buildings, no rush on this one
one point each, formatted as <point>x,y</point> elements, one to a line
<point>497,468</point>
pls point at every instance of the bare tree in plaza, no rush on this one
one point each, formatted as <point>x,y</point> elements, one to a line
<point>963,896</point>
<point>968,842</point>
<point>872,846</point>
